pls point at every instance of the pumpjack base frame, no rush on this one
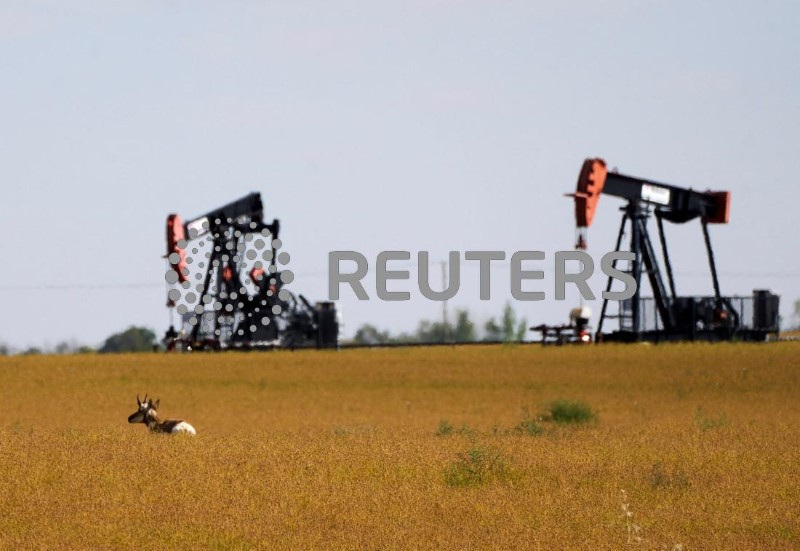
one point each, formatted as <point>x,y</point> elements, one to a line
<point>745,335</point>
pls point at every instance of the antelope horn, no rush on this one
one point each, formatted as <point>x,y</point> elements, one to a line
<point>138,401</point>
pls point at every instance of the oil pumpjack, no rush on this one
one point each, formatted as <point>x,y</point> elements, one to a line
<point>229,293</point>
<point>666,315</point>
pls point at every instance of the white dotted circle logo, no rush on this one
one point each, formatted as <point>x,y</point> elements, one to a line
<point>252,253</point>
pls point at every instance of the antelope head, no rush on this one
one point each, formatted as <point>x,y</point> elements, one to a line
<point>146,409</point>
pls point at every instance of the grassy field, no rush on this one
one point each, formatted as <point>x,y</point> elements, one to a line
<point>688,447</point>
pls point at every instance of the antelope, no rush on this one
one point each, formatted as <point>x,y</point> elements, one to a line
<point>147,414</point>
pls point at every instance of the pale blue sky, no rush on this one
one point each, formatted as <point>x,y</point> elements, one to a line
<point>370,126</point>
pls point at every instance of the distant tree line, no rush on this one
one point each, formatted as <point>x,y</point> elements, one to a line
<point>132,339</point>
<point>508,328</point>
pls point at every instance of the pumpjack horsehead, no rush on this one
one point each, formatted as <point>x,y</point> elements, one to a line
<point>147,414</point>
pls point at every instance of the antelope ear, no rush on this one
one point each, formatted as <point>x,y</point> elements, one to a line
<point>138,401</point>
<point>155,406</point>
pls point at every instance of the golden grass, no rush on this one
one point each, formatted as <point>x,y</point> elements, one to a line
<point>324,450</point>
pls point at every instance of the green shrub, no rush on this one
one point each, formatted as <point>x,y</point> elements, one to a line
<point>569,411</point>
<point>477,466</point>
<point>663,477</point>
<point>445,428</point>
<point>528,425</point>
<point>708,422</point>
<point>465,430</point>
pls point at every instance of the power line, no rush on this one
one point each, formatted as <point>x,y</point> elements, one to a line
<point>108,286</point>
<point>81,286</point>
<point>742,274</point>
<point>150,285</point>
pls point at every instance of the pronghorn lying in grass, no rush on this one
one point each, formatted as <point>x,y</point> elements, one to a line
<point>147,414</point>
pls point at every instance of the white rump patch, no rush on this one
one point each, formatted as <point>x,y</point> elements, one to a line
<point>183,426</point>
